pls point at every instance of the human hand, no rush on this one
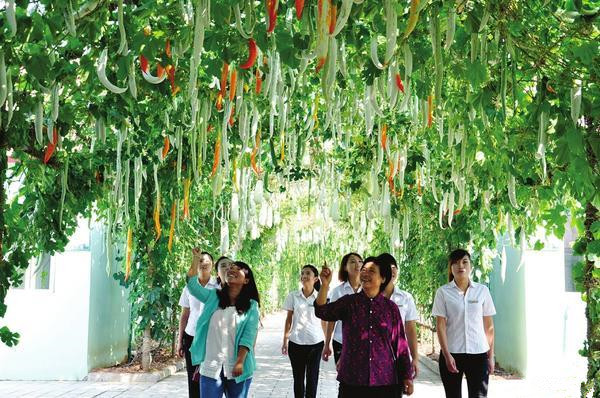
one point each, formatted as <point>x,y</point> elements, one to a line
<point>284,348</point>
<point>326,353</point>
<point>196,255</point>
<point>450,363</point>
<point>326,275</point>
<point>180,351</point>
<point>409,388</point>
<point>238,369</point>
<point>415,368</point>
<point>491,364</point>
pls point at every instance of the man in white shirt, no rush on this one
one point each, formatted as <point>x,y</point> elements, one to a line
<point>191,310</point>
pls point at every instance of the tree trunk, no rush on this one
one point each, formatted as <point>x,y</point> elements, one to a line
<point>590,285</point>
<point>173,328</point>
<point>4,272</point>
<point>146,349</point>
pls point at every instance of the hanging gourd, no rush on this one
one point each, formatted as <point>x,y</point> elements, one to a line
<point>101,72</point>
<point>129,252</point>
<point>172,226</point>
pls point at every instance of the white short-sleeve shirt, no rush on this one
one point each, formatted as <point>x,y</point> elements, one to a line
<point>337,293</point>
<point>220,345</point>
<point>306,327</point>
<point>196,306</point>
<point>464,314</point>
<point>406,304</point>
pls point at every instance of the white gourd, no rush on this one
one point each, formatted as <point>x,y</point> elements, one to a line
<point>11,18</point>
<point>9,99</point>
<point>576,101</point>
<point>450,207</point>
<point>3,80</point>
<point>39,123</point>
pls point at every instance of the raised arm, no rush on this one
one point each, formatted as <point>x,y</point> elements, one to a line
<point>335,311</point>
<point>194,287</point>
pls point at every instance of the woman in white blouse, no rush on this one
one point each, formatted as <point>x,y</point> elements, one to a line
<point>349,275</point>
<point>191,310</point>
<point>408,310</point>
<point>465,329</point>
<point>303,337</point>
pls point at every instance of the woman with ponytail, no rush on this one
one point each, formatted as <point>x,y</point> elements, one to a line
<point>303,337</point>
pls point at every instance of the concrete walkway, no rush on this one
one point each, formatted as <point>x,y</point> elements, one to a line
<point>273,378</point>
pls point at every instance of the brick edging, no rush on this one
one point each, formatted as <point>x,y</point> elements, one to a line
<point>143,377</point>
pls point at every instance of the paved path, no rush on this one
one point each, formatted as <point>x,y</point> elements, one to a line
<point>273,379</point>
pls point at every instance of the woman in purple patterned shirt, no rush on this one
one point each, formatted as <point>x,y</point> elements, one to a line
<point>373,336</point>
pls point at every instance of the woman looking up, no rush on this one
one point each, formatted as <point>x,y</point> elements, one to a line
<point>225,332</point>
<point>465,329</point>
<point>375,360</point>
<point>222,265</point>
<point>303,334</point>
<point>349,274</point>
<point>192,309</point>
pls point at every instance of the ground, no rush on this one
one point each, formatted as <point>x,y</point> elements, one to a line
<point>273,378</point>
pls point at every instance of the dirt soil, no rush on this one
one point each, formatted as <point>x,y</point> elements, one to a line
<point>161,358</point>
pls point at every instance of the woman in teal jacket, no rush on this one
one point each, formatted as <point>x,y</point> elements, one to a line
<point>223,346</point>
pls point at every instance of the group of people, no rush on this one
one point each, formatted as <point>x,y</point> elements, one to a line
<point>366,322</point>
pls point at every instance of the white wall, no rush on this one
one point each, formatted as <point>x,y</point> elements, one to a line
<point>109,308</point>
<point>80,323</point>
<point>539,332</point>
<point>53,324</point>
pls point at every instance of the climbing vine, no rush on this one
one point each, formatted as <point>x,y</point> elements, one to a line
<point>419,125</point>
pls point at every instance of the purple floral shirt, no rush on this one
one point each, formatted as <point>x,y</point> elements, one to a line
<point>369,327</point>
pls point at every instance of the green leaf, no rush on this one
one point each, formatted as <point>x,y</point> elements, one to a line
<point>595,227</point>
<point>594,247</point>
<point>477,74</point>
<point>539,245</point>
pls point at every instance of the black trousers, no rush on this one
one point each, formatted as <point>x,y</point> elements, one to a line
<point>337,351</point>
<point>474,367</point>
<point>193,386</point>
<point>349,391</point>
<point>306,360</point>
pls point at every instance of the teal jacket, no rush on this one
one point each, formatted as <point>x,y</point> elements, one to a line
<point>245,335</point>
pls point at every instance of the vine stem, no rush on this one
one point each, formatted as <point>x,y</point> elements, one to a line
<point>4,266</point>
<point>590,286</point>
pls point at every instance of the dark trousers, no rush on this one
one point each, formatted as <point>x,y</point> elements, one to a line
<point>349,391</point>
<point>337,351</point>
<point>474,367</point>
<point>193,386</point>
<point>305,360</point>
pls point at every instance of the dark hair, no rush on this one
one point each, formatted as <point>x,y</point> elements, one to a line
<point>385,270</point>
<point>219,281</point>
<point>248,292</point>
<point>455,257</point>
<point>221,259</point>
<point>387,258</point>
<point>209,255</point>
<point>343,271</point>
<point>316,272</point>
